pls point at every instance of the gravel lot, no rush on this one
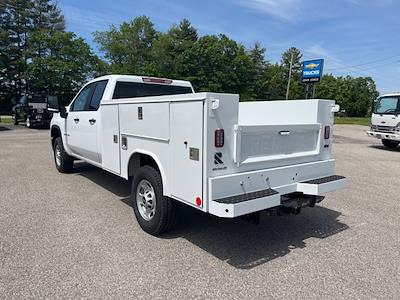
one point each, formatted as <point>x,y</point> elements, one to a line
<point>75,236</point>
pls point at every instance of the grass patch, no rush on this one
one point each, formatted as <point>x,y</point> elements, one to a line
<point>353,121</point>
<point>6,121</point>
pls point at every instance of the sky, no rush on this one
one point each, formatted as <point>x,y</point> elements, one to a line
<point>355,37</point>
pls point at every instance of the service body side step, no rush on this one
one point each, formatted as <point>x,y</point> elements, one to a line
<point>238,205</point>
<point>320,186</point>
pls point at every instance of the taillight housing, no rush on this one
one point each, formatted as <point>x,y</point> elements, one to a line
<point>219,138</point>
<point>327,132</point>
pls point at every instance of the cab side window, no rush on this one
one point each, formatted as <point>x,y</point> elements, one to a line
<point>83,98</point>
<point>89,98</point>
<point>97,95</point>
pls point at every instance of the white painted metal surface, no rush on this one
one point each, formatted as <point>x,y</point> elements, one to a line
<point>321,189</point>
<point>153,124</point>
<point>260,143</point>
<point>82,134</point>
<point>187,150</point>
<point>271,144</point>
<point>110,139</point>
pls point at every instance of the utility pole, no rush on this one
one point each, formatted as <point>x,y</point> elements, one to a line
<point>313,90</point>
<point>290,75</point>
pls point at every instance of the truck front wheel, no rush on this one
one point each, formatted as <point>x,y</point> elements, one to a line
<point>15,119</point>
<point>390,144</point>
<point>64,162</point>
<point>154,212</point>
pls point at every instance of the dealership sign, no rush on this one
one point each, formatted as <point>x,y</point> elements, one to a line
<point>312,71</point>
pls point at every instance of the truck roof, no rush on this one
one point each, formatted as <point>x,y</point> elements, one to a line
<point>145,79</point>
<point>395,94</point>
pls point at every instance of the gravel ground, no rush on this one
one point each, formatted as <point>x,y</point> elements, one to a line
<point>75,236</point>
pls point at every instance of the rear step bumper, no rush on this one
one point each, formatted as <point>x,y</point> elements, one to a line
<point>322,185</point>
<point>240,194</point>
<point>235,206</point>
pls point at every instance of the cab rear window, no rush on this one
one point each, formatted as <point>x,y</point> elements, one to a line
<point>137,89</point>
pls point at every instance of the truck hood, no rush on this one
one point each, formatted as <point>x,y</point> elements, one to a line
<point>385,120</point>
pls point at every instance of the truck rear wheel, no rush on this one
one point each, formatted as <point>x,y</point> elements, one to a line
<point>154,212</point>
<point>390,144</point>
<point>64,162</point>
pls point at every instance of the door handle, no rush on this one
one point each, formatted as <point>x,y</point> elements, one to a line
<point>76,120</point>
<point>92,121</point>
<point>284,132</point>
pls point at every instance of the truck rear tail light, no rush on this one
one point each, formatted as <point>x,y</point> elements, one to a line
<point>156,80</point>
<point>219,138</point>
<point>327,133</point>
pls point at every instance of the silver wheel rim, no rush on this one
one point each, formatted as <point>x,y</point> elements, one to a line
<point>58,155</point>
<point>28,122</point>
<point>146,200</point>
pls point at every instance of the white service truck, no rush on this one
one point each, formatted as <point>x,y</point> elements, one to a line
<point>385,120</point>
<point>205,150</point>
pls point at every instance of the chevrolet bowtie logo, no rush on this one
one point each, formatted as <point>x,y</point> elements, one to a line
<point>311,66</point>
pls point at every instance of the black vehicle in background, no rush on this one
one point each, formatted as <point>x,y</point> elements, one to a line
<point>32,109</point>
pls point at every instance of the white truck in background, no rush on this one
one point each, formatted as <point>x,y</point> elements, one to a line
<point>205,150</point>
<point>385,120</point>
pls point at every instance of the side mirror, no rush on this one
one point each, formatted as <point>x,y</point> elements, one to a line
<point>63,112</point>
<point>52,104</point>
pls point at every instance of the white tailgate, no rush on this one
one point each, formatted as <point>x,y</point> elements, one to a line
<point>186,150</point>
<point>275,142</point>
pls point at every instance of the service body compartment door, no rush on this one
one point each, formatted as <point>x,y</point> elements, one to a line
<point>110,138</point>
<point>187,150</point>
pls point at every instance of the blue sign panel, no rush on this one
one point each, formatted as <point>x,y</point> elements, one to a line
<point>312,71</point>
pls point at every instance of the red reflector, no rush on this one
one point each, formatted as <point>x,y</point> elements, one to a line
<point>327,133</point>
<point>156,80</point>
<point>219,138</point>
<point>198,201</point>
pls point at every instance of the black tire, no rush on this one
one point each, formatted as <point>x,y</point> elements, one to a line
<point>163,218</point>
<point>15,117</point>
<point>65,164</point>
<point>390,144</point>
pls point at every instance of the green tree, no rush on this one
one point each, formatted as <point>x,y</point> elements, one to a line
<point>65,65</point>
<point>128,47</point>
<point>19,21</point>
<point>354,95</point>
<point>184,32</point>
<point>169,54</point>
<point>257,56</point>
<point>294,56</point>
<point>275,81</point>
<point>46,16</point>
<point>15,26</point>
<point>219,64</point>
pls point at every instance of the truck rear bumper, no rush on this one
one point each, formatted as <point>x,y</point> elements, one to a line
<point>234,195</point>
<point>384,135</point>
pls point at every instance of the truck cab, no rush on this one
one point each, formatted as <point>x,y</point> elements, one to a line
<point>82,124</point>
<point>385,120</point>
<point>206,150</point>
